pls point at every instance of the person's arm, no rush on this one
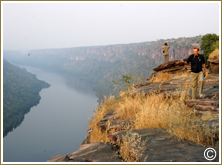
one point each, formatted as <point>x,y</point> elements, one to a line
<point>183,61</point>
<point>204,66</point>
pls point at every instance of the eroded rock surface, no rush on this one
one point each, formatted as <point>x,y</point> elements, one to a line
<point>160,146</point>
<point>214,65</point>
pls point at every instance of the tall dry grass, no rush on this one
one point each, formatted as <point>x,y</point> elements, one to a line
<point>154,111</point>
<point>161,77</point>
<point>131,147</point>
<point>167,112</point>
<point>167,76</point>
<point>214,54</point>
<point>97,135</point>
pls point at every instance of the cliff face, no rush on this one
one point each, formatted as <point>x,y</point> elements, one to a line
<point>179,48</point>
<point>101,65</point>
<point>160,143</point>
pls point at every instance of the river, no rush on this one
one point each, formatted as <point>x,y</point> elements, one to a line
<point>57,125</point>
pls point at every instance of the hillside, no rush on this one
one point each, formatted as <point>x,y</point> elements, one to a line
<point>156,121</point>
<point>20,92</point>
<point>103,64</point>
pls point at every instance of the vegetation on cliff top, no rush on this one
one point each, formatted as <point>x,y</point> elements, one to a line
<point>20,92</point>
<point>154,111</point>
<point>209,43</point>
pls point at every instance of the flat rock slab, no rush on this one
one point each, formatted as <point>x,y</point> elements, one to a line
<point>181,81</point>
<point>95,152</point>
<point>207,108</point>
<point>211,79</point>
<point>205,102</point>
<point>211,93</point>
<point>211,85</point>
<point>163,147</point>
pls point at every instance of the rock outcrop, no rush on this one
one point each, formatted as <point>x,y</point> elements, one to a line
<point>159,146</point>
<point>214,65</point>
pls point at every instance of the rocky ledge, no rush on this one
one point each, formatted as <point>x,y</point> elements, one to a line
<point>160,146</point>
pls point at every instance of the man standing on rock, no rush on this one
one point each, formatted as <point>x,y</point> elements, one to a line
<point>165,52</point>
<point>197,63</point>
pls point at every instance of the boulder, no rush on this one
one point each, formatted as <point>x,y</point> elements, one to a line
<point>214,65</point>
<point>170,64</point>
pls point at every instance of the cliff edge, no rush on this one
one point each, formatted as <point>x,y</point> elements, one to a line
<point>156,121</point>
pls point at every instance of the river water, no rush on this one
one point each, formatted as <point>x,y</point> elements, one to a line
<point>57,125</point>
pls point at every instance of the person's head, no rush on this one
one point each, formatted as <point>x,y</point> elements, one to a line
<point>195,51</point>
<point>165,44</point>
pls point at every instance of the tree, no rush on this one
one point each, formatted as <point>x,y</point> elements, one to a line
<point>208,44</point>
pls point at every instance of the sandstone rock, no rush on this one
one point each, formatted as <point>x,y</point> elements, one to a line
<point>211,93</point>
<point>212,79</point>
<point>111,115</point>
<point>170,64</point>
<point>163,147</point>
<point>59,158</point>
<point>95,152</point>
<point>211,85</point>
<point>86,140</point>
<point>142,84</point>
<point>170,71</point>
<point>120,125</point>
<point>155,88</point>
<point>214,65</point>
<point>207,108</point>
<point>205,102</point>
<point>213,61</point>
<point>184,81</point>
<point>117,124</point>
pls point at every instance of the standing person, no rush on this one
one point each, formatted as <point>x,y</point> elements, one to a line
<point>165,48</point>
<point>197,63</point>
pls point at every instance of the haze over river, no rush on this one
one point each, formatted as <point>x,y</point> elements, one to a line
<point>57,125</point>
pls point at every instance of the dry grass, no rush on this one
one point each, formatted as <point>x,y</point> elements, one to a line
<point>167,76</point>
<point>131,147</point>
<point>97,135</point>
<point>154,111</point>
<point>214,54</point>
<point>181,75</point>
<point>161,77</point>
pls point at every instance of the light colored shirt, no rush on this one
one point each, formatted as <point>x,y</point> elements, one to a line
<point>165,48</point>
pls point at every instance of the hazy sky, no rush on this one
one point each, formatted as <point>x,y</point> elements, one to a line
<point>41,25</point>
